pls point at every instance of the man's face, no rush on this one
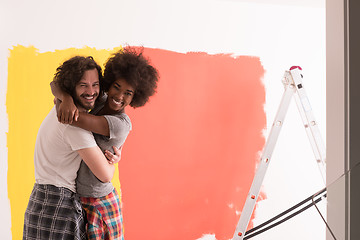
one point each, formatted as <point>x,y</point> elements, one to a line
<point>87,90</point>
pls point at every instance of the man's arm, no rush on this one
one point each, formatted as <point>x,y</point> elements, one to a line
<point>96,161</point>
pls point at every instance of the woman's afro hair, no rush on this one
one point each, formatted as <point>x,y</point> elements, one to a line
<point>131,65</point>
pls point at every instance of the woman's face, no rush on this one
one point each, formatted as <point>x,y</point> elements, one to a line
<point>120,95</point>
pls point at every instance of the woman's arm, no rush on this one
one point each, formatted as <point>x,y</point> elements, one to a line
<point>68,113</point>
<point>93,123</point>
<point>66,110</point>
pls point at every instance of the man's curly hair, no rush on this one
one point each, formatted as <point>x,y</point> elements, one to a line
<point>71,72</point>
<point>131,65</point>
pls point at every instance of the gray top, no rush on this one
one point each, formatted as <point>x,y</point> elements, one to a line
<point>119,125</point>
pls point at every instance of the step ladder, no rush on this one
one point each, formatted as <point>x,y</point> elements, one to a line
<point>293,85</point>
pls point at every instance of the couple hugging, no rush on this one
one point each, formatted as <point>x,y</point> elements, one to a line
<point>75,149</point>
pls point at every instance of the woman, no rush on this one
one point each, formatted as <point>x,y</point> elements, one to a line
<point>129,79</point>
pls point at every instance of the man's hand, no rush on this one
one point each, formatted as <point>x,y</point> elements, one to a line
<point>66,111</point>
<point>113,158</point>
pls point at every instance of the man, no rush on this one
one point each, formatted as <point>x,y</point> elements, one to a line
<point>54,210</point>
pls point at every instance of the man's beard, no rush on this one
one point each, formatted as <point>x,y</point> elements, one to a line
<point>78,102</point>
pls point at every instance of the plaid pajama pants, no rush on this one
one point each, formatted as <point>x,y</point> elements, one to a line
<point>104,217</point>
<point>53,213</point>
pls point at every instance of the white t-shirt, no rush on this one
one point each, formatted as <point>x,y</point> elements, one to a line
<point>56,159</point>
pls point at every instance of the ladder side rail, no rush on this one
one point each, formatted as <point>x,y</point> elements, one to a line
<point>309,122</point>
<point>263,164</point>
<point>315,141</point>
<point>302,96</point>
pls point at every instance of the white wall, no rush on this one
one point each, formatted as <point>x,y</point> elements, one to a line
<point>282,34</point>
